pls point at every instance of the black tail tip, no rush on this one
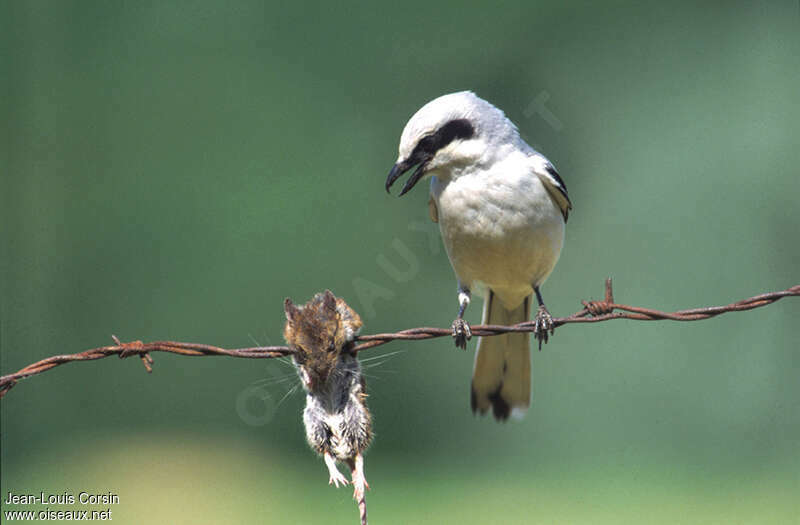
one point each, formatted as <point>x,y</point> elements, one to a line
<point>501,410</point>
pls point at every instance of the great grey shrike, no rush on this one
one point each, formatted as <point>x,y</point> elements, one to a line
<point>501,208</point>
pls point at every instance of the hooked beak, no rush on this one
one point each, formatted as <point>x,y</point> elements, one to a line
<point>402,167</point>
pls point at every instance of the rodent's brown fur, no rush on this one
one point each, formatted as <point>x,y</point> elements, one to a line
<point>319,332</point>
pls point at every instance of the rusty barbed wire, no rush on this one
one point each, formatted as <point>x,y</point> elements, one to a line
<point>592,312</point>
<point>143,350</point>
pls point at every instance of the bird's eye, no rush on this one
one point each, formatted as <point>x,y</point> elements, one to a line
<point>453,130</point>
<point>427,144</point>
<point>331,346</point>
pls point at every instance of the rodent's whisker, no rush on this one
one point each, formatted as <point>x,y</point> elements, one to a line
<point>373,365</point>
<point>287,361</point>
<point>285,396</point>
<point>388,354</point>
<point>274,380</point>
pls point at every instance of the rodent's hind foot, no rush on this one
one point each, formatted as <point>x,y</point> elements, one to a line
<point>359,486</point>
<point>543,326</point>
<point>359,480</point>
<point>336,478</point>
<point>461,333</point>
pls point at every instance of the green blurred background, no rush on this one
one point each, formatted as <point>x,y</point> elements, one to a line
<point>174,170</point>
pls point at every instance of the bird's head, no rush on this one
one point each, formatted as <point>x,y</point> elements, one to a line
<point>450,132</point>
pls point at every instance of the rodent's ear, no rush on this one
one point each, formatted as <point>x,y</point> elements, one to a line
<point>291,310</point>
<point>329,301</point>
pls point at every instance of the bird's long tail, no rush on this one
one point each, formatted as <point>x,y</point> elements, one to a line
<point>502,375</point>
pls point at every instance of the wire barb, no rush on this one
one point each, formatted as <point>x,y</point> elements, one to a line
<point>606,306</point>
<point>592,312</point>
<point>135,347</point>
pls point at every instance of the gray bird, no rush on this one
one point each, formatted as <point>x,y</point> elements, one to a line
<point>501,208</point>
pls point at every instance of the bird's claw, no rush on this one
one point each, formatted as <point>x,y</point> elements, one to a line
<point>461,333</point>
<point>543,327</point>
<point>337,478</point>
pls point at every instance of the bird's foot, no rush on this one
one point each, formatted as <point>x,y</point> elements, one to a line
<point>461,333</point>
<point>337,478</point>
<point>543,327</point>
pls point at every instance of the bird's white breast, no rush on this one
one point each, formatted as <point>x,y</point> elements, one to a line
<point>500,227</point>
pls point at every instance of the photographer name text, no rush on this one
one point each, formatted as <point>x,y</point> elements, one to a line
<point>63,498</point>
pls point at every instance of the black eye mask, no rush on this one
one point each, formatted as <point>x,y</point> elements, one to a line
<point>425,150</point>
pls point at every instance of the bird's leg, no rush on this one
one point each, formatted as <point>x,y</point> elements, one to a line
<point>336,477</point>
<point>461,331</point>
<point>543,321</point>
<point>357,472</point>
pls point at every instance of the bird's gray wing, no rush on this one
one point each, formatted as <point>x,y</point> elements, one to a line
<point>433,211</point>
<point>555,186</point>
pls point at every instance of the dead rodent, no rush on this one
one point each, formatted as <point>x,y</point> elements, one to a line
<point>338,424</point>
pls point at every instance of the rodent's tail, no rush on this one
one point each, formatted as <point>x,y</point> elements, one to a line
<point>502,375</point>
